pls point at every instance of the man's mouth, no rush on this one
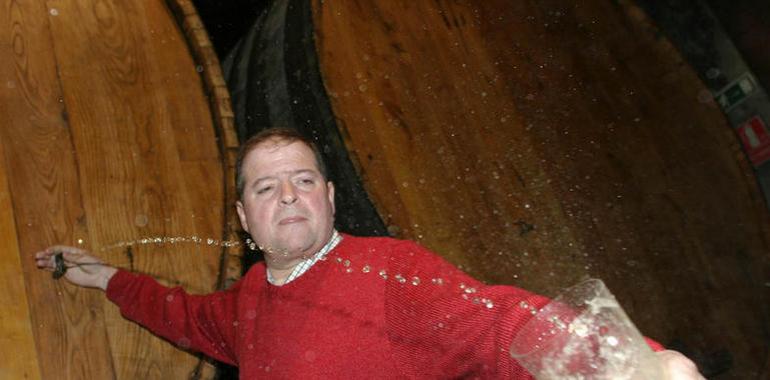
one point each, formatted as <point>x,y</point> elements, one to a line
<point>291,220</point>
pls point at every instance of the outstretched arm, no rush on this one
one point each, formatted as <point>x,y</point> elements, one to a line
<point>200,323</point>
<point>77,266</point>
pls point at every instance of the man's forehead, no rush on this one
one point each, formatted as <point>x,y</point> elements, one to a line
<point>265,155</point>
<point>272,146</point>
<point>275,143</point>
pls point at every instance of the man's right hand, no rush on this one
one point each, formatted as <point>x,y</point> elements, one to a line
<point>82,268</point>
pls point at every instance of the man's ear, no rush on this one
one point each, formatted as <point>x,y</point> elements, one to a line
<point>330,193</point>
<point>242,216</point>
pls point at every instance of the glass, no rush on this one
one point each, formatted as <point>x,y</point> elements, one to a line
<point>584,334</point>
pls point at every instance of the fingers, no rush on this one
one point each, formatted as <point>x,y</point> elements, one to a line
<point>66,249</point>
<point>45,259</point>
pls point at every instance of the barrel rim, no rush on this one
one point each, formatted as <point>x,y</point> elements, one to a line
<point>214,85</point>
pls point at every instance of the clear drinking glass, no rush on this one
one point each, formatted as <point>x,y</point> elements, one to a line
<point>584,334</point>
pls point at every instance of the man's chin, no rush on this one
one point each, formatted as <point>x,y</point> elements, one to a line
<point>288,248</point>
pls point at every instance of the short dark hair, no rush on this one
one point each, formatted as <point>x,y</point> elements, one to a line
<point>281,135</point>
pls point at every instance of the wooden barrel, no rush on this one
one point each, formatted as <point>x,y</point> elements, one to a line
<point>112,132</point>
<point>535,143</point>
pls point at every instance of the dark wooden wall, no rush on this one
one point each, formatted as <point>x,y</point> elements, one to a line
<point>534,143</point>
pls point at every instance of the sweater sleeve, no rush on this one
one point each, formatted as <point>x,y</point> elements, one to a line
<point>199,323</point>
<point>450,325</point>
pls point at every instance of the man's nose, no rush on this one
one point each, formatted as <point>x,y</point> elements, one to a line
<point>288,193</point>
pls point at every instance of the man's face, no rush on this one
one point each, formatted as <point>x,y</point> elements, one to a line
<point>286,207</point>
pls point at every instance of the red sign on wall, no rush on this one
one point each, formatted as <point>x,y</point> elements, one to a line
<point>756,140</point>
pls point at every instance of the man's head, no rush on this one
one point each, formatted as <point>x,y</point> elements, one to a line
<point>274,134</point>
<point>286,204</point>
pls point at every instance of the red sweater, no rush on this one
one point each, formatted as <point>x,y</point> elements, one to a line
<point>374,308</point>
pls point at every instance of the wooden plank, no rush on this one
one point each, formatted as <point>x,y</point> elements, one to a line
<point>401,114</point>
<point>40,165</point>
<point>196,149</point>
<point>206,60</point>
<point>107,101</point>
<point>17,341</point>
<point>123,68</point>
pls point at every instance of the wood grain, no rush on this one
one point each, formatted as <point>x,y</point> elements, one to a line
<point>218,96</point>
<point>110,140</point>
<point>140,85</point>
<point>17,342</point>
<point>43,180</point>
<point>538,142</point>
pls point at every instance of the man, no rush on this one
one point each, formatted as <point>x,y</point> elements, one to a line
<point>325,304</point>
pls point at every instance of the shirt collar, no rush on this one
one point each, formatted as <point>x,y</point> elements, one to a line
<point>304,265</point>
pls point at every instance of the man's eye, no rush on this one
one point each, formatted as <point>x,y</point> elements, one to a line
<point>263,190</point>
<point>306,181</point>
